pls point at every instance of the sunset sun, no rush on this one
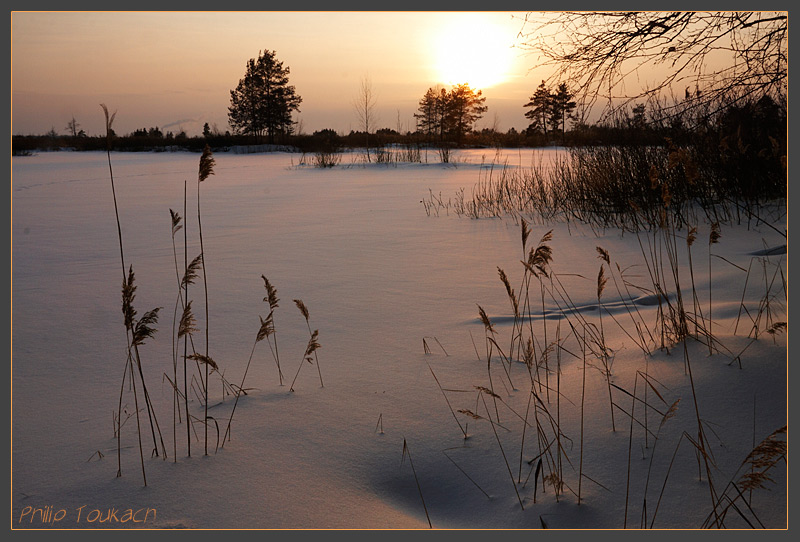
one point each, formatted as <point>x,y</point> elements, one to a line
<point>472,50</point>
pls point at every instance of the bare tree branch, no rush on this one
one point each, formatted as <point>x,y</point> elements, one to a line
<point>622,57</point>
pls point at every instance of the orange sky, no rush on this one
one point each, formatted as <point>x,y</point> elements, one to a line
<point>175,70</point>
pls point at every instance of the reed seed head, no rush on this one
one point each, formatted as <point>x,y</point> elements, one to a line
<point>776,328</point>
<point>526,231</point>
<point>272,294</point>
<point>176,222</point>
<point>509,290</point>
<point>302,307</point>
<point>203,359</point>
<point>601,281</point>
<point>128,294</point>
<point>313,345</point>
<point>267,328</point>
<point>109,121</point>
<point>527,353</point>
<point>691,236</point>
<point>143,329</point>
<point>207,163</point>
<point>769,451</point>
<point>603,253</point>
<point>487,391</point>
<point>715,234</point>
<point>673,409</point>
<point>541,256</point>
<point>487,324</point>
<point>470,414</point>
<point>191,271</point>
<point>186,326</point>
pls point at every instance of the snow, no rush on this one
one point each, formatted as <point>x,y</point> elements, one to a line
<point>378,276</point>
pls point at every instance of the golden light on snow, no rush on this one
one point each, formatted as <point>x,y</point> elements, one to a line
<point>474,50</point>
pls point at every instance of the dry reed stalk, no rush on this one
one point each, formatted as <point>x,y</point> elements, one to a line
<point>109,120</point>
<point>185,286</point>
<point>713,238</point>
<point>741,303</point>
<point>583,400</point>
<point>512,297</point>
<point>311,347</point>
<point>641,342</point>
<point>176,226</point>
<point>272,299</point>
<point>140,330</point>
<point>559,449</point>
<point>630,448</point>
<point>265,330</point>
<point>205,169</point>
<point>601,284</point>
<point>463,431</point>
<point>465,474</point>
<point>700,444</point>
<point>138,423</point>
<point>502,452</point>
<point>528,358</point>
<point>691,236</point>
<point>489,330</point>
<point>407,451</point>
<point>668,415</point>
<point>538,261</point>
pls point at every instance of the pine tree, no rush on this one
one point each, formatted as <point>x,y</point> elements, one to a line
<point>465,107</point>
<point>449,115</point>
<point>561,107</point>
<point>540,104</point>
<point>263,101</point>
<point>429,114</point>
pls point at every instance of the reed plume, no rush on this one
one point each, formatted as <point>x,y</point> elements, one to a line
<point>304,311</point>
<point>272,300</point>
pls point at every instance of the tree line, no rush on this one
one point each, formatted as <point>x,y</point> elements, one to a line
<point>263,103</point>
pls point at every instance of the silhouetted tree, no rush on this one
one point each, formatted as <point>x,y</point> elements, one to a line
<point>539,113</point>
<point>464,108</point>
<point>449,115</point>
<point>561,107</point>
<point>263,101</point>
<point>365,109</point>
<point>72,127</point>
<point>428,115</point>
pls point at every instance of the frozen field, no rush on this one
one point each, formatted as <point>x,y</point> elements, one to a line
<point>381,280</point>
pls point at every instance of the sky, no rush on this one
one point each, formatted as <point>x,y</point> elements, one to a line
<point>175,70</point>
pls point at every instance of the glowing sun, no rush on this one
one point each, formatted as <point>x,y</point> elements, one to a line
<point>472,50</point>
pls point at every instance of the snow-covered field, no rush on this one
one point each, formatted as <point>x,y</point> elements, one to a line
<point>381,444</point>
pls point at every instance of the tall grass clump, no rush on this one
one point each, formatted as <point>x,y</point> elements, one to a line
<point>613,187</point>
